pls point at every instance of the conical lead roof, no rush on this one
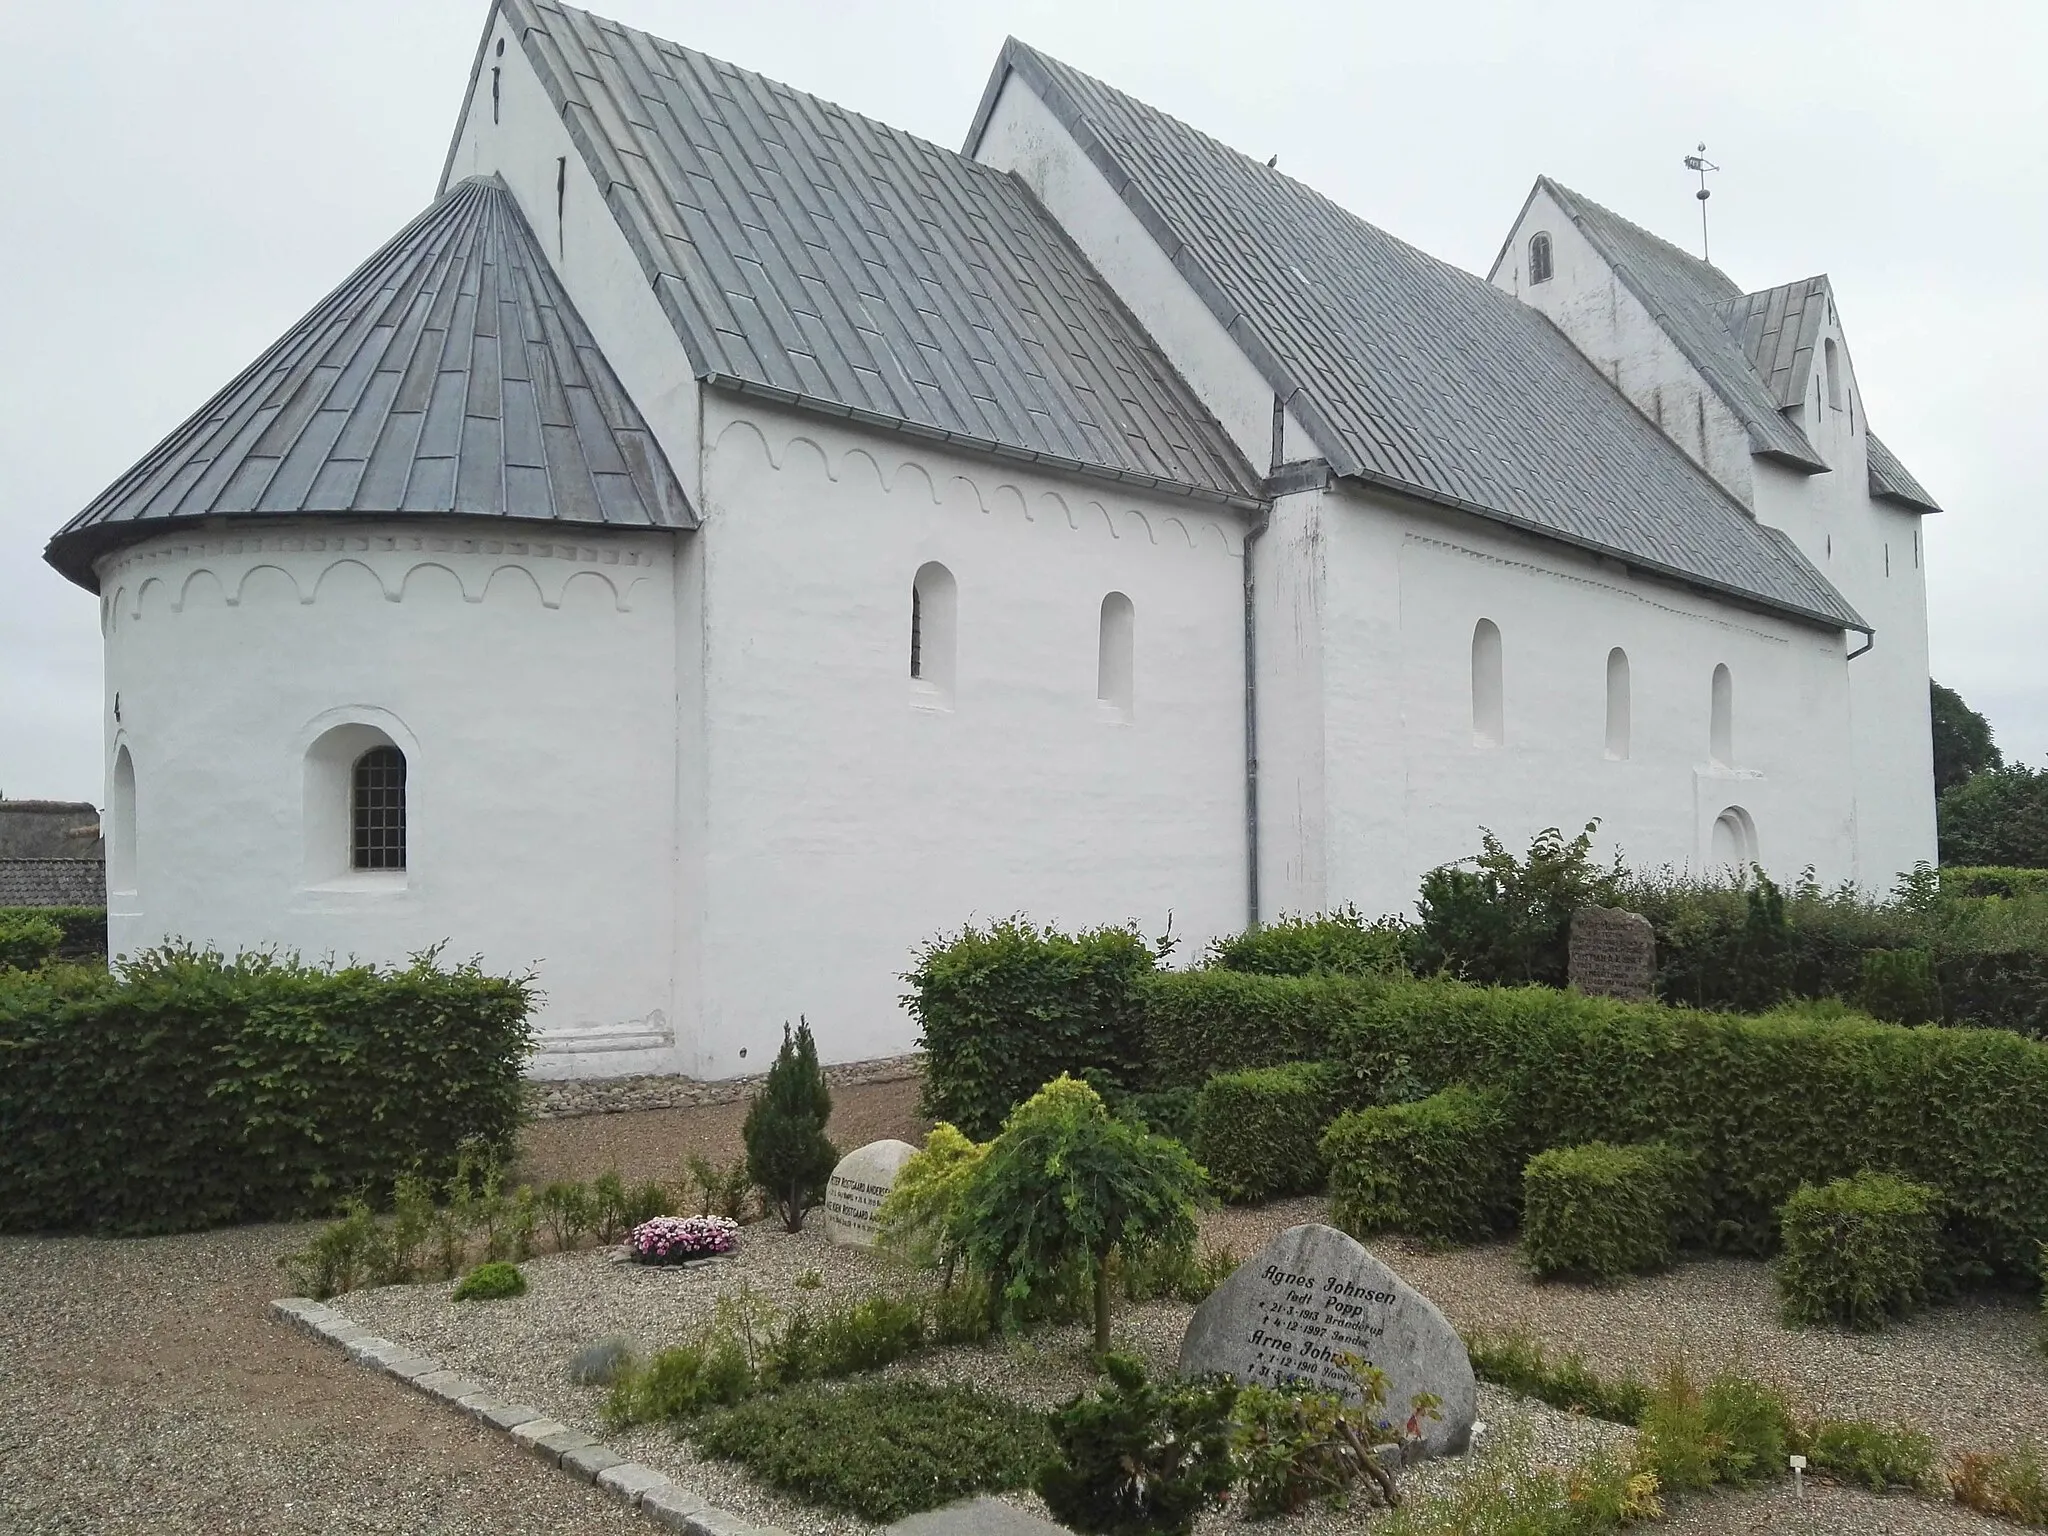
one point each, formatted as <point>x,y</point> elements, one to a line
<point>449,376</point>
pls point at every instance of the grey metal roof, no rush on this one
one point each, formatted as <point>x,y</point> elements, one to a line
<point>1412,373</point>
<point>1890,479</point>
<point>450,375</point>
<point>1778,329</point>
<point>1689,298</point>
<point>53,883</point>
<point>814,256</point>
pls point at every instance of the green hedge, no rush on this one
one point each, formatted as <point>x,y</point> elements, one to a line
<point>84,929</point>
<point>1199,1023</point>
<point>1005,1009</point>
<point>1993,880</point>
<point>27,942</point>
<point>1260,1132</point>
<point>1339,943</point>
<point>185,1091</point>
<point>1858,1251</point>
<point>1602,1211</point>
<point>1439,1169</point>
<point>1768,1103</point>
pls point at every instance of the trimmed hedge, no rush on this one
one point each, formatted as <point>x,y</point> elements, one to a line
<point>27,942</point>
<point>1259,1133</point>
<point>1994,880</point>
<point>1439,1169</point>
<point>84,929</point>
<point>1768,1103</point>
<point>184,1090</point>
<point>1005,1009</point>
<point>1858,1251</point>
<point>1199,1023</point>
<point>1603,1211</point>
<point>1339,943</point>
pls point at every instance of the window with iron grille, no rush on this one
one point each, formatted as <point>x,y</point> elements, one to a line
<point>377,810</point>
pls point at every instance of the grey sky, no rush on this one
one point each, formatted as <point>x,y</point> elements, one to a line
<point>183,181</point>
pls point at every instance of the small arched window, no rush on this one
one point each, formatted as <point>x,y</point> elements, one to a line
<point>1721,725</point>
<point>1489,708</point>
<point>121,826</point>
<point>1834,372</point>
<point>377,810</point>
<point>1617,705</point>
<point>934,606</point>
<point>1116,656</point>
<point>1539,258</point>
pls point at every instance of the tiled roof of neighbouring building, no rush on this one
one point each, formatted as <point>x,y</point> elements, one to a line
<point>53,883</point>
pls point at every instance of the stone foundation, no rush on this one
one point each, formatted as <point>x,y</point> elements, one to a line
<point>567,1098</point>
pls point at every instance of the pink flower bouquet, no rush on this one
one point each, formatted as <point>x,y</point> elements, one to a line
<point>679,1239</point>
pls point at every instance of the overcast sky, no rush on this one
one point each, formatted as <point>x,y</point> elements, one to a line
<point>184,180</point>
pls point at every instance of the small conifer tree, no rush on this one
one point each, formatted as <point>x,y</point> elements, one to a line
<point>787,1153</point>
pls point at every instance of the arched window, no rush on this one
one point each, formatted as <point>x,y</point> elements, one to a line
<point>1489,713</point>
<point>1834,371</point>
<point>1115,656</point>
<point>1721,727</point>
<point>1539,258</point>
<point>1734,841</point>
<point>1617,705</point>
<point>934,606</point>
<point>376,810</point>
<point>121,826</point>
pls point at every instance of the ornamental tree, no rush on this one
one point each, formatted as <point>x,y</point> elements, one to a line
<point>787,1153</point>
<point>920,1216</point>
<point>1068,1183</point>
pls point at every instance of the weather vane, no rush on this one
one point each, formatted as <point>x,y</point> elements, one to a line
<point>1702,164</point>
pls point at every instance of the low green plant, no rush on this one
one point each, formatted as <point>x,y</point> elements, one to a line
<point>340,1257</point>
<point>1259,1133</point>
<point>27,942</point>
<point>610,1212</point>
<point>920,1216</point>
<point>1900,985</point>
<point>880,1450</point>
<point>1063,1187</point>
<point>961,1313</point>
<point>1294,1446</point>
<point>1858,1251</point>
<point>719,1190</point>
<point>603,1363</point>
<point>1438,1169</point>
<point>679,1383</point>
<point>1135,1458</point>
<point>1736,1432</point>
<point>1178,1274</point>
<point>810,1280</point>
<point>846,1337</point>
<point>788,1157</point>
<point>1509,1492</point>
<point>1519,1363</point>
<point>1335,943</point>
<point>1601,1211</point>
<point>565,1210</point>
<point>2010,1484</point>
<point>1874,1456</point>
<point>493,1281</point>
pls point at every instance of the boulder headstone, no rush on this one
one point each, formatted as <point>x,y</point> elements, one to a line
<point>1613,954</point>
<point>1313,1295</point>
<point>856,1188</point>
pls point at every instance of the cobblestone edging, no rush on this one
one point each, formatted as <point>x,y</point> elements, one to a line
<point>566,1098</point>
<point>654,1494</point>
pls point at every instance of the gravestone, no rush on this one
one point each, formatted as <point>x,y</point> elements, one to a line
<point>1613,954</point>
<point>856,1188</point>
<point>1312,1295</point>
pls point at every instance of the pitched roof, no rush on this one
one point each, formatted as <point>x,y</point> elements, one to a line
<point>449,374</point>
<point>1689,297</point>
<point>811,255</point>
<point>53,883</point>
<point>1410,372</point>
<point>1890,479</point>
<point>1777,329</point>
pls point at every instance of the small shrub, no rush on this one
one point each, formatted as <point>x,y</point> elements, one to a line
<point>681,1239</point>
<point>646,1201</point>
<point>1507,921</point>
<point>2010,1484</point>
<point>1294,1446</point>
<point>1438,1169</point>
<point>82,930</point>
<point>720,1191</point>
<point>881,1450</point>
<point>1138,1459</point>
<point>1004,1009</point>
<point>1259,1133</point>
<point>1176,1273</point>
<point>27,942</point>
<point>494,1281</point>
<point>845,1338</point>
<point>565,1211</point>
<point>1338,943</point>
<point>610,1217</point>
<point>1518,1362</point>
<point>1858,1251</point>
<point>603,1363</point>
<point>919,1217</point>
<point>342,1257</point>
<point>962,1313</point>
<point>1737,1432</point>
<point>1601,1211</point>
<point>1509,1492</point>
<point>1064,1186</point>
<point>679,1383</point>
<point>1873,1456</point>
<point>788,1156</point>
<point>1899,985</point>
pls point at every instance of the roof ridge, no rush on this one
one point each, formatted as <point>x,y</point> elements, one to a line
<point>1670,247</point>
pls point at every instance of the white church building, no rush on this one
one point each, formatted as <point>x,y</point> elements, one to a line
<point>724,541</point>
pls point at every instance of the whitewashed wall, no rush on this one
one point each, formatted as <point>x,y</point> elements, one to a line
<point>528,677</point>
<point>845,819</point>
